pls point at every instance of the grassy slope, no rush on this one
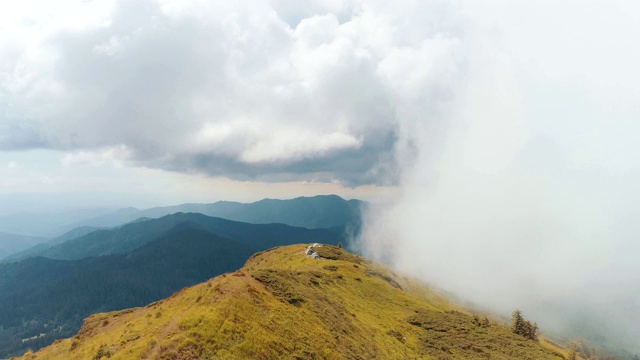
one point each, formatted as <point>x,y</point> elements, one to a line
<point>49,298</point>
<point>283,304</point>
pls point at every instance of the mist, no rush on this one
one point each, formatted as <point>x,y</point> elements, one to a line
<point>519,183</point>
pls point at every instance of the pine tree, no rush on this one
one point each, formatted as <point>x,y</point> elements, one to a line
<point>524,327</point>
<point>518,322</point>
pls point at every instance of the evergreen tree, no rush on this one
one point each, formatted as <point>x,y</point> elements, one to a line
<point>523,327</point>
<point>518,322</point>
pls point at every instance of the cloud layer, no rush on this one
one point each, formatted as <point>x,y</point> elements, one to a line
<point>248,91</point>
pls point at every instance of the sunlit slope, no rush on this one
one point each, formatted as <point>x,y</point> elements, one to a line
<point>283,304</point>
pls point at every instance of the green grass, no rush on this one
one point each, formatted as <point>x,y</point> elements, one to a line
<point>283,304</point>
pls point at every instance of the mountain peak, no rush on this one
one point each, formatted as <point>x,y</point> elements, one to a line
<point>285,304</point>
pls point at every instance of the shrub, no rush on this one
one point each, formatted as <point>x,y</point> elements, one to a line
<point>102,352</point>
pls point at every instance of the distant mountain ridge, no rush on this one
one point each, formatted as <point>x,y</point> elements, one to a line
<point>48,224</point>
<point>12,243</point>
<point>135,234</point>
<point>322,211</point>
<point>43,246</point>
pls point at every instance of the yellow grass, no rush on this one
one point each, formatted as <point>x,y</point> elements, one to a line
<point>283,304</point>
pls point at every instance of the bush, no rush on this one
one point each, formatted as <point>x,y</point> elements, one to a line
<point>102,352</point>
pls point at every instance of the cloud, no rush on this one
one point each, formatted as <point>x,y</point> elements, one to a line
<point>216,88</point>
<point>113,155</point>
<point>518,185</point>
<point>293,145</point>
<point>13,165</point>
<point>258,144</point>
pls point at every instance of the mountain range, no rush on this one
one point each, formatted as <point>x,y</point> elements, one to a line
<point>323,211</point>
<point>131,236</point>
<point>45,297</point>
<point>128,257</point>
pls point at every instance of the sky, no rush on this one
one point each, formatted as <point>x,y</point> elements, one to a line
<point>163,101</point>
<point>502,135</point>
<point>191,101</point>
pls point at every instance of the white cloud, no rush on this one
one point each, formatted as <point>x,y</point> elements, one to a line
<point>288,145</point>
<point>175,82</point>
<point>260,143</point>
<point>112,47</point>
<point>112,156</point>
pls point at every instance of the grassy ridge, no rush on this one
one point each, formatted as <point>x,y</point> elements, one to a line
<point>283,304</point>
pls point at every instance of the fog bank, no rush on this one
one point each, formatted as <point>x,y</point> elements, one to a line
<point>519,180</point>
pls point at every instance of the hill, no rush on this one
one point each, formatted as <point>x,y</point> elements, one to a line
<point>12,243</point>
<point>135,234</point>
<point>283,304</point>
<point>44,299</point>
<point>49,298</point>
<point>41,247</point>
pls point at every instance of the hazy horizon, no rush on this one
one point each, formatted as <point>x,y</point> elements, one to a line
<point>35,203</point>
